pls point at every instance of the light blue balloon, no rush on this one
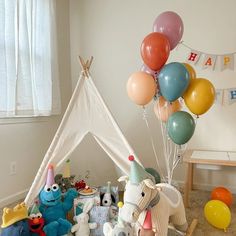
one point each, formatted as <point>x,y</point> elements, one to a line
<point>173,81</point>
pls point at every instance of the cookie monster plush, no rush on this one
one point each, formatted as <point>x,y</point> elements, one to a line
<point>53,209</point>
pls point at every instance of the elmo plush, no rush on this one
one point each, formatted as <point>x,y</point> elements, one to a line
<point>36,222</point>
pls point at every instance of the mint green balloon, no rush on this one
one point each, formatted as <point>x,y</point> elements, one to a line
<point>155,174</point>
<point>180,127</point>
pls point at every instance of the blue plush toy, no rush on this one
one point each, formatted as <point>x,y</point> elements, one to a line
<point>53,209</point>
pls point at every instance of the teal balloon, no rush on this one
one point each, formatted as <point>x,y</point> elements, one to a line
<point>173,80</point>
<point>180,127</point>
<point>155,174</point>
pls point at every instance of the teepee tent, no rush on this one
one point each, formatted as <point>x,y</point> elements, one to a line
<point>86,113</point>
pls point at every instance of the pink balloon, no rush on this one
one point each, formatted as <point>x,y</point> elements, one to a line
<point>171,25</point>
<point>146,69</point>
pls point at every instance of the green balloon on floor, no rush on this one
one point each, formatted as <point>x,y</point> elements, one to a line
<point>155,174</point>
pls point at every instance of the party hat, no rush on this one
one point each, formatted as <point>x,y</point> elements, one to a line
<point>137,172</point>
<point>120,221</point>
<point>108,187</point>
<point>34,209</point>
<point>66,173</point>
<point>50,176</point>
<point>147,224</point>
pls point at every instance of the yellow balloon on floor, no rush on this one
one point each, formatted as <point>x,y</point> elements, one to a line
<point>199,96</point>
<point>217,214</point>
<point>191,71</point>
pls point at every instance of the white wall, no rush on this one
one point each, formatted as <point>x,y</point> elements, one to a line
<point>26,143</point>
<point>112,32</point>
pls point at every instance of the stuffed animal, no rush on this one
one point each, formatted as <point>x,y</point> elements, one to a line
<point>121,228</point>
<point>80,184</point>
<point>65,183</point>
<point>15,221</point>
<point>82,228</point>
<point>36,222</point>
<point>107,200</point>
<point>53,209</point>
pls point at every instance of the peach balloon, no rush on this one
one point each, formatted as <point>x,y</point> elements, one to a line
<point>163,109</point>
<point>141,88</point>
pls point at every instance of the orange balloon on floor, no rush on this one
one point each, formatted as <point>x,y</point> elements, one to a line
<point>222,194</point>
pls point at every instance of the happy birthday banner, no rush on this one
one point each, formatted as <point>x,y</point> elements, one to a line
<point>208,61</point>
<point>225,96</point>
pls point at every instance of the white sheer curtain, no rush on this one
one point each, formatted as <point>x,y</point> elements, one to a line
<point>29,83</point>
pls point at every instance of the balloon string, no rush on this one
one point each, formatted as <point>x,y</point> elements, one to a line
<point>152,142</point>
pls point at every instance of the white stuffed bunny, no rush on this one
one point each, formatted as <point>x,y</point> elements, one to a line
<point>82,228</point>
<point>120,229</point>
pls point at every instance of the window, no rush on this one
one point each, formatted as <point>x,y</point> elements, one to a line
<point>29,83</point>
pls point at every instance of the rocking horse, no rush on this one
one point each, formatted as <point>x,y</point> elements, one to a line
<point>162,201</point>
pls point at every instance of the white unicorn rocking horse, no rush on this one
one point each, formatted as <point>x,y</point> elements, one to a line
<point>162,202</point>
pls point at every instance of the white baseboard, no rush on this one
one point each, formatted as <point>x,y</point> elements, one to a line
<point>12,198</point>
<point>207,187</point>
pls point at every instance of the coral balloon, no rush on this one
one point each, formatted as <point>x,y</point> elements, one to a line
<point>222,194</point>
<point>173,80</point>
<point>199,96</point>
<point>191,71</point>
<point>217,214</point>
<point>171,25</point>
<point>180,127</point>
<point>141,88</point>
<point>155,50</point>
<point>163,109</point>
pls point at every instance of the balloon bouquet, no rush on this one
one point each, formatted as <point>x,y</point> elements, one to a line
<point>169,84</point>
<point>217,210</point>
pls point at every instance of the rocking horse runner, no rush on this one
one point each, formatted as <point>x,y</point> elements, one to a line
<point>163,200</point>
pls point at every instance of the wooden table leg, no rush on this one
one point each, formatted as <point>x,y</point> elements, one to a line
<point>188,184</point>
<point>190,175</point>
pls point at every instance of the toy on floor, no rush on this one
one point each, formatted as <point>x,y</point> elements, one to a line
<point>106,199</point>
<point>53,209</point>
<point>80,184</point>
<point>164,201</point>
<point>65,180</point>
<point>65,183</point>
<point>36,222</point>
<point>82,228</point>
<point>121,228</point>
<point>15,221</point>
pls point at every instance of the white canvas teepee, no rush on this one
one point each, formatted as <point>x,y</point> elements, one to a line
<point>86,113</point>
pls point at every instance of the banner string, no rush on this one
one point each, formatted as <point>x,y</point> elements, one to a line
<point>190,48</point>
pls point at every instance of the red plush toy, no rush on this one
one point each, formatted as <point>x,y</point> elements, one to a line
<point>80,184</point>
<point>36,222</point>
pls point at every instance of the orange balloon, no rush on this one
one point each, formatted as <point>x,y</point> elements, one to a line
<point>191,71</point>
<point>199,96</point>
<point>163,108</point>
<point>141,88</point>
<point>155,50</point>
<point>222,194</point>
